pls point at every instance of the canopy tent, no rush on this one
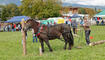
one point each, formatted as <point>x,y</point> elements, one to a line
<point>60,21</point>
<point>17,19</point>
<point>46,21</point>
<point>101,14</point>
<point>57,20</point>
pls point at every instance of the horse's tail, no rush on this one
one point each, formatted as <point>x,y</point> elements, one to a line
<point>71,38</point>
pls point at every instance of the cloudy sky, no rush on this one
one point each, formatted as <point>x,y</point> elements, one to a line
<point>82,2</point>
<point>87,2</point>
<point>3,2</point>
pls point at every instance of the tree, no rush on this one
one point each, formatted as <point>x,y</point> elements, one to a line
<point>82,11</point>
<point>3,13</point>
<point>13,10</point>
<point>41,8</point>
<point>65,10</point>
<point>9,10</point>
<point>90,12</point>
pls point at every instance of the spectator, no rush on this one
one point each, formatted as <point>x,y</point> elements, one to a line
<point>66,22</point>
<point>69,23</point>
<point>102,22</point>
<point>14,27</point>
<point>34,36</point>
<point>55,23</point>
<point>51,23</point>
<point>19,27</point>
<point>0,26</point>
<point>86,26</point>
<point>4,28</point>
<point>48,24</point>
<point>97,22</point>
<point>74,26</point>
<point>9,27</point>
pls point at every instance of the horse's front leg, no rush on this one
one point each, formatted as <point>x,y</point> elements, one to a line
<point>42,45</point>
<point>47,42</point>
<point>65,38</point>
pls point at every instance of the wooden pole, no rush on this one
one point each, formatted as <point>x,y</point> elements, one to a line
<point>23,37</point>
<point>97,43</point>
<point>40,51</point>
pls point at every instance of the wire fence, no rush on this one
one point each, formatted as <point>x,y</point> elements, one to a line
<point>97,34</point>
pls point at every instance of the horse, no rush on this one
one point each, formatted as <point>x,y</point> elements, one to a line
<point>45,33</point>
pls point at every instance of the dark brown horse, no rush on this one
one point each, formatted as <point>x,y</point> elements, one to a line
<point>46,33</point>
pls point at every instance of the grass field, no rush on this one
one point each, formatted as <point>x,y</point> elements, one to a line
<point>11,47</point>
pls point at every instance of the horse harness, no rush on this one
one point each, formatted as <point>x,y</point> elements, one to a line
<point>40,29</point>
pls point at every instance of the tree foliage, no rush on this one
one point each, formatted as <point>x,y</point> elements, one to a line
<point>66,10</point>
<point>90,12</point>
<point>9,10</point>
<point>82,11</point>
<point>41,8</point>
<point>13,10</point>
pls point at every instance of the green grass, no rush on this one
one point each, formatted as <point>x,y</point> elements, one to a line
<point>11,47</point>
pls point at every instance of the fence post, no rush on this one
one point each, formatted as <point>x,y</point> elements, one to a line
<point>23,37</point>
<point>40,51</point>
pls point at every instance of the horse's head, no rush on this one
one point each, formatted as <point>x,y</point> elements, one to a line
<point>31,23</point>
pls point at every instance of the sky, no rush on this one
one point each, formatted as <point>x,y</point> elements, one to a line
<point>87,2</point>
<point>3,2</point>
<point>82,2</point>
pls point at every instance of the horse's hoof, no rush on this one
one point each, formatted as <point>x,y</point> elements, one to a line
<point>43,51</point>
<point>69,48</point>
<point>64,48</point>
<point>51,50</point>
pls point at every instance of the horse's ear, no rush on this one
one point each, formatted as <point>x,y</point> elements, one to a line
<point>29,20</point>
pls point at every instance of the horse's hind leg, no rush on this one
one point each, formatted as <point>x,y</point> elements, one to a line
<point>65,45</point>
<point>47,42</point>
<point>70,40</point>
<point>42,45</point>
<point>69,46</point>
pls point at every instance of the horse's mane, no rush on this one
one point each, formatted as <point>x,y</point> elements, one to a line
<point>33,20</point>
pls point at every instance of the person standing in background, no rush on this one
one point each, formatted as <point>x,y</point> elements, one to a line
<point>87,29</point>
<point>14,27</point>
<point>74,26</point>
<point>102,22</point>
<point>69,23</point>
<point>0,26</point>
